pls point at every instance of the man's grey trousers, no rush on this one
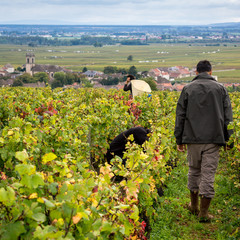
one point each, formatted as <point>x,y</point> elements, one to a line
<point>203,161</point>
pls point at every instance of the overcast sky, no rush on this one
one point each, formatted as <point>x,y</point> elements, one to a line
<point>119,12</point>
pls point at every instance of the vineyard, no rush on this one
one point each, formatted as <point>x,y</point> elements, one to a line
<point>55,181</point>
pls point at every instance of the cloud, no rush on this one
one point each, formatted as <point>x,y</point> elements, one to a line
<point>124,12</point>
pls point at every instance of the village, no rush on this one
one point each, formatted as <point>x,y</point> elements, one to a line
<point>165,78</point>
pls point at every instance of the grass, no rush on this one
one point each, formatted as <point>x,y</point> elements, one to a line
<point>145,57</point>
<point>225,76</point>
<point>97,58</point>
<point>175,222</point>
<point>232,76</point>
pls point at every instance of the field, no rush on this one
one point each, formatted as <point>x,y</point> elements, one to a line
<point>144,57</point>
<point>56,184</point>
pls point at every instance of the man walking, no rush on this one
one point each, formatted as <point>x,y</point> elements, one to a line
<point>202,115</point>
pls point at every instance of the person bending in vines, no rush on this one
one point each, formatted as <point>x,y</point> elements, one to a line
<point>118,145</point>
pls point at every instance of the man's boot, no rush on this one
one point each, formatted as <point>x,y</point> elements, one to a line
<point>193,205</point>
<point>203,214</point>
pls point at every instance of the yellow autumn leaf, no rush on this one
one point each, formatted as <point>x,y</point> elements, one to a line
<point>134,238</point>
<point>58,204</point>
<point>40,200</point>
<point>81,215</point>
<point>143,156</point>
<point>22,155</point>
<point>72,181</point>
<point>33,195</point>
<point>106,170</point>
<point>43,175</point>
<point>69,175</point>
<point>94,202</point>
<point>48,157</point>
<point>50,179</point>
<point>77,218</point>
<point>10,132</point>
<point>140,180</point>
<point>60,221</point>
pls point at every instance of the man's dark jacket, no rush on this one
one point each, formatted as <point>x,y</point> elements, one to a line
<point>203,112</point>
<point>128,87</point>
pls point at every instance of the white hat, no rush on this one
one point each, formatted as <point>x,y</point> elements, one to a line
<point>139,87</point>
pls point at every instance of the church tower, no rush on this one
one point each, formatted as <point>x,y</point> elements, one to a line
<point>30,62</point>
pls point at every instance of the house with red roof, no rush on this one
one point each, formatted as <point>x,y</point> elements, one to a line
<point>174,75</point>
<point>158,72</point>
<point>3,73</point>
<point>178,87</point>
<point>164,86</point>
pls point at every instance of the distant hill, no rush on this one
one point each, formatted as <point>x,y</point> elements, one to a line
<point>111,29</point>
<point>229,24</point>
<point>99,35</point>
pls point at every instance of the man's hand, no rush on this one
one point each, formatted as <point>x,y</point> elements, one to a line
<point>181,148</point>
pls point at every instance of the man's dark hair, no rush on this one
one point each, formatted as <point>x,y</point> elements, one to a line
<point>204,66</point>
<point>131,76</point>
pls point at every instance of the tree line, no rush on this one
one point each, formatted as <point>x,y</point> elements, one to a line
<point>34,41</point>
<point>61,78</point>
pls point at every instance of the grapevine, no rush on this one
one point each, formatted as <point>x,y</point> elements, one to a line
<point>55,181</point>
